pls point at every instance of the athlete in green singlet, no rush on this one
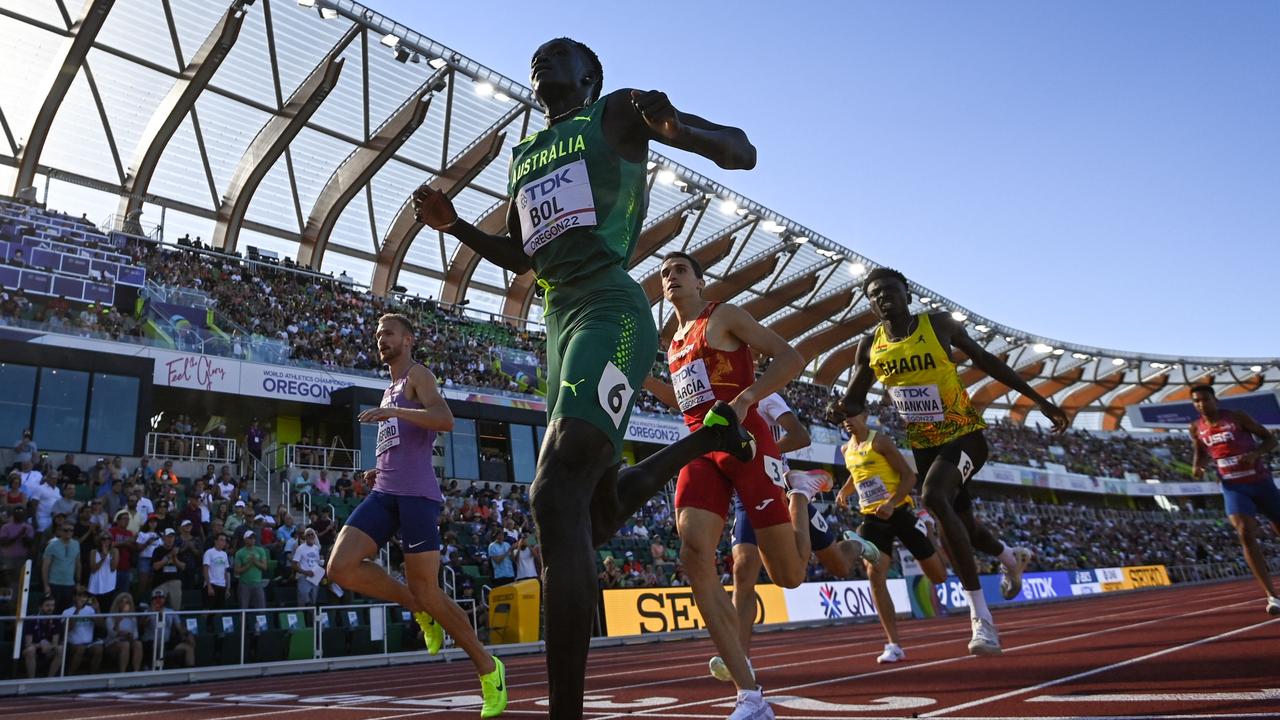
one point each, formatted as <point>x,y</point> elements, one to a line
<point>578,203</point>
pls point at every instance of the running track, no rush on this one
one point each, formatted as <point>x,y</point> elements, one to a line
<point>1191,652</point>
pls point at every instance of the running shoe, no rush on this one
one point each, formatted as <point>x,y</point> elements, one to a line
<point>751,706</point>
<point>720,671</point>
<point>1273,605</point>
<point>738,441</point>
<point>870,552</point>
<point>986,641</point>
<point>432,633</point>
<point>494,687</point>
<point>1011,578</point>
<point>809,482</point>
<point>892,654</point>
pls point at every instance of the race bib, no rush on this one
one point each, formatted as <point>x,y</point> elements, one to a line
<point>776,470</point>
<point>388,435</point>
<point>1230,468</point>
<point>872,491</point>
<point>555,203</point>
<point>692,385</point>
<point>918,403</point>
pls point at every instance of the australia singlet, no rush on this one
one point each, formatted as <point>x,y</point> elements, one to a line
<point>404,450</point>
<point>921,382</point>
<point>874,477</point>
<point>580,204</point>
<point>1227,442</point>
<point>701,374</point>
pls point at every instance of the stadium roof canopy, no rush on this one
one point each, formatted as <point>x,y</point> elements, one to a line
<point>300,127</point>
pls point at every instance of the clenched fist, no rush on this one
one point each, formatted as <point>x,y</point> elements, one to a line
<point>433,208</point>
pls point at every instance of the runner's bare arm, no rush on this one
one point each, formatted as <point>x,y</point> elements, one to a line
<point>434,209</point>
<point>1266,437</point>
<point>646,115</point>
<point>794,434</point>
<point>784,368</point>
<point>1197,454</point>
<point>855,398</point>
<point>434,414</point>
<point>907,476</point>
<point>948,327</point>
<point>663,391</point>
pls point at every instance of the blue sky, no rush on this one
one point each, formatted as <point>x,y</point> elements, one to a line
<point>1105,173</point>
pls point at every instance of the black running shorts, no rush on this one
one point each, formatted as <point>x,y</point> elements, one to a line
<point>904,526</point>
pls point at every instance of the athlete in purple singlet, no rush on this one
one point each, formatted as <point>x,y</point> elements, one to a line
<point>406,499</point>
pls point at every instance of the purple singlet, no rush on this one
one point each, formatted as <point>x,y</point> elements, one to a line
<point>404,451</point>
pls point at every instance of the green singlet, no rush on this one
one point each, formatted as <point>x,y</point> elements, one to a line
<point>581,207</point>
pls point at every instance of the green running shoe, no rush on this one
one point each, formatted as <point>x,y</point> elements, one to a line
<point>431,632</point>
<point>494,687</point>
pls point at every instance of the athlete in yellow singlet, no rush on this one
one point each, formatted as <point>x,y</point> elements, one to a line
<point>882,481</point>
<point>911,356</point>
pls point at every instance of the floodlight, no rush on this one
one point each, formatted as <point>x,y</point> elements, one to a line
<point>728,205</point>
<point>958,316</point>
<point>390,40</point>
<point>1042,348</point>
<point>437,63</point>
<point>484,89</point>
<point>1255,368</point>
<point>666,177</point>
<point>1117,361</point>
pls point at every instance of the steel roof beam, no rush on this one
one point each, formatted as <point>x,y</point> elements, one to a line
<point>464,262</point>
<point>1023,405</point>
<point>451,181</point>
<point>813,314</point>
<point>707,254</point>
<point>355,172</point>
<point>75,48</point>
<point>273,139</point>
<point>1132,396</point>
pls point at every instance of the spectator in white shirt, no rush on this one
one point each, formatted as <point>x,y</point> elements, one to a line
<point>306,565</point>
<point>80,635</point>
<point>46,495</point>
<point>215,564</point>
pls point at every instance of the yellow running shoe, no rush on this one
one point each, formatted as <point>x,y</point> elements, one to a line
<point>431,632</point>
<point>494,687</point>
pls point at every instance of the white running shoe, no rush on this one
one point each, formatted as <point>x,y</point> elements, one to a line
<point>986,641</point>
<point>809,482</point>
<point>892,654</point>
<point>1273,605</point>
<point>1011,579</point>
<point>752,706</point>
<point>719,670</point>
<point>870,552</point>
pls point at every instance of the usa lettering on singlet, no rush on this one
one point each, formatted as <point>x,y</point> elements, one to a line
<point>552,204</point>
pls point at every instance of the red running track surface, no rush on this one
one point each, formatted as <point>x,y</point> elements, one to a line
<point>1192,652</point>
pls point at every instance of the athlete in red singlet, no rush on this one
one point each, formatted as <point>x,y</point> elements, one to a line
<point>711,360</point>
<point>1231,439</point>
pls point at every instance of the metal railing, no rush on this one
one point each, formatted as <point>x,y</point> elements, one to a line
<point>318,457</point>
<point>173,446</point>
<point>263,635</point>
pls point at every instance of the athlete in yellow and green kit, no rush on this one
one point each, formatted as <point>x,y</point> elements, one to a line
<point>910,354</point>
<point>578,198</point>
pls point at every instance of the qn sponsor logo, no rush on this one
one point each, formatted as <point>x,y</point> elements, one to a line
<point>847,601</point>
<point>831,605</point>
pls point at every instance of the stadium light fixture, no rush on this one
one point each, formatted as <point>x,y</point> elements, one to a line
<point>1080,356</point>
<point>958,316</point>
<point>328,13</point>
<point>1159,365</point>
<point>415,58</point>
<point>1058,351</point>
<point>501,97</point>
<point>484,88</point>
<point>437,63</point>
<point>857,269</point>
<point>800,239</point>
<point>666,177</point>
<point>742,212</point>
<point>728,205</point>
<point>1117,362</point>
<point>390,40</point>
<point>402,54</point>
<point>680,183</point>
<point>1042,348</point>
<point>982,328</point>
<point>773,227</point>
<point>650,165</point>
<point>1255,368</point>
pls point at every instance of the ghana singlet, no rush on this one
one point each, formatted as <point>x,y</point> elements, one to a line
<point>923,385</point>
<point>874,477</point>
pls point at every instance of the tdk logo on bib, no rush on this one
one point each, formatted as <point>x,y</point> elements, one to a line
<point>553,204</point>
